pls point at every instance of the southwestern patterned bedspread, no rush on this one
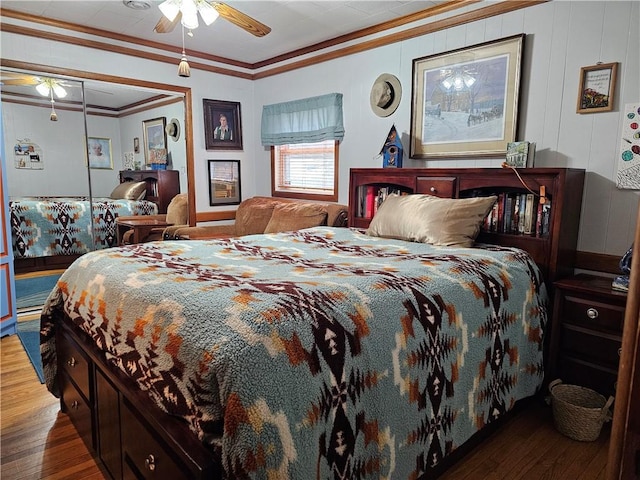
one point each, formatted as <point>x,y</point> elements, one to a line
<point>321,353</point>
<point>48,226</point>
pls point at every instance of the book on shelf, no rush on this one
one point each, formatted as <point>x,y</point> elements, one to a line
<point>521,154</point>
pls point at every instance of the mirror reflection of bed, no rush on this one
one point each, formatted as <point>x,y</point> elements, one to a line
<point>47,144</point>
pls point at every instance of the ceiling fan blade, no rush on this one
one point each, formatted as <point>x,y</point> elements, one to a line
<point>240,19</point>
<point>165,25</point>
<point>10,78</point>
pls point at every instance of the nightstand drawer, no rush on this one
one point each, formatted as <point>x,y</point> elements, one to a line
<point>592,314</point>
<point>599,348</point>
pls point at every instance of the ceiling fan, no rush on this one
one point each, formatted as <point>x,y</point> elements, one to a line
<point>186,12</point>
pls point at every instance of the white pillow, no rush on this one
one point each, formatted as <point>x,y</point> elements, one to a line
<point>450,222</point>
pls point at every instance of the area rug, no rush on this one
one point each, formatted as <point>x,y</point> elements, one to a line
<point>32,289</point>
<point>29,335</point>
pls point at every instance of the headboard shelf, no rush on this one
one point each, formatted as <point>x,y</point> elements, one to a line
<point>553,247</point>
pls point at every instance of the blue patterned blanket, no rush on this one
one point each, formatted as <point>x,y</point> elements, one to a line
<point>322,353</point>
<point>47,226</point>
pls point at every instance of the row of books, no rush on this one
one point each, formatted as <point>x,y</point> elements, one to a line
<point>520,214</point>
<point>370,197</point>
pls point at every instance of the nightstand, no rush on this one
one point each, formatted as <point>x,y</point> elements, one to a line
<point>586,334</point>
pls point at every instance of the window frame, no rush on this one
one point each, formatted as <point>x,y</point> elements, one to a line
<point>307,195</point>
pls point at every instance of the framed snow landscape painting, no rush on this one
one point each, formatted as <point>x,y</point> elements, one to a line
<point>464,103</point>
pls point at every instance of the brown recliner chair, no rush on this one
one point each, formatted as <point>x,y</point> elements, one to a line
<point>177,215</point>
<point>268,215</point>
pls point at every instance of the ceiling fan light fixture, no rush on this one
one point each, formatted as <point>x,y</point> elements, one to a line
<point>47,85</point>
<point>59,91</point>
<point>189,14</point>
<point>170,9</point>
<point>43,89</point>
<point>207,12</point>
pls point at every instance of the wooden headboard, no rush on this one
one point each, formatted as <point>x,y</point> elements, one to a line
<point>553,250</point>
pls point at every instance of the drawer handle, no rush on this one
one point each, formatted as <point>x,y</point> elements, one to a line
<point>620,352</point>
<point>75,404</point>
<point>592,313</point>
<point>150,462</point>
<point>71,362</point>
<point>433,189</point>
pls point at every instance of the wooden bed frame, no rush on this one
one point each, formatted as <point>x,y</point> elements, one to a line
<point>133,438</point>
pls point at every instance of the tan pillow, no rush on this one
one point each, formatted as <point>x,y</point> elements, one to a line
<point>295,216</point>
<point>253,217</point>
<point>178,210</point>
<point>129,191</point>
<point>446,222</point>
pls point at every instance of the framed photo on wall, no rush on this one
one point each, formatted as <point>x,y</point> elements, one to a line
<point>222,125</point>
<point>465,102</point>
<point>224,182</point>
<point>597,88</point>
<point>100,155</point>
<point>154,137</point>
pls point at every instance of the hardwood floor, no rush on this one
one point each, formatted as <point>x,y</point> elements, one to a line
<point>39,442</point>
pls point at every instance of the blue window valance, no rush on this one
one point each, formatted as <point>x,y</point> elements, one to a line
<point>303,121</point>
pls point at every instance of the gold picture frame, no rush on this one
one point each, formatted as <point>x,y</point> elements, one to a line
<point>596,90</point>
<point>465,102</point>
<point>154,137</point>
<point>100,153</point>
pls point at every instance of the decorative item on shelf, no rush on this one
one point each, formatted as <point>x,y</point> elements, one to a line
<point>392,151</point>
<point>127,161</point>
<point>385,95</point>
<point>158,158</point>
<point>621,282</point>
<point>521,154</point>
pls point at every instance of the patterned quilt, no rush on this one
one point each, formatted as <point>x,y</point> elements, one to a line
<point>322,353</point>
<point>47,226</point>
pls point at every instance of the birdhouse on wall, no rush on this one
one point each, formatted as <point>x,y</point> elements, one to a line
<point>392,150</point>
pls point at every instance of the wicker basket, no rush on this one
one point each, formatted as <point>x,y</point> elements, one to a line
<point>578,412</point>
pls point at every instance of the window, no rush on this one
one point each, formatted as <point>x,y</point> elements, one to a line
<point>305,170</point>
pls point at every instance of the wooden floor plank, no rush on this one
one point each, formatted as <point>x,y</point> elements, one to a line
<point>39,442</point>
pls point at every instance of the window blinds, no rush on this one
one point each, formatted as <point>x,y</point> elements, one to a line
<point>303,121</point>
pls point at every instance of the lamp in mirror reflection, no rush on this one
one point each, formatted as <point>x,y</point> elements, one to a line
<point>184,70</point>
<point>458,80</point>
<point>51,85</point>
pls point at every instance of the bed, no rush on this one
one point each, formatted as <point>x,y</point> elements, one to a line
<point>321,353</point>
<point>55,226</point>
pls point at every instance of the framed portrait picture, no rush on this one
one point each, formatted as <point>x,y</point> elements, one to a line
<point>100,155</point>
<point>224,182</point>
<point>154,138</point>
<point>597,88</point>
<point>222,126</point>
<point>464,102</point>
